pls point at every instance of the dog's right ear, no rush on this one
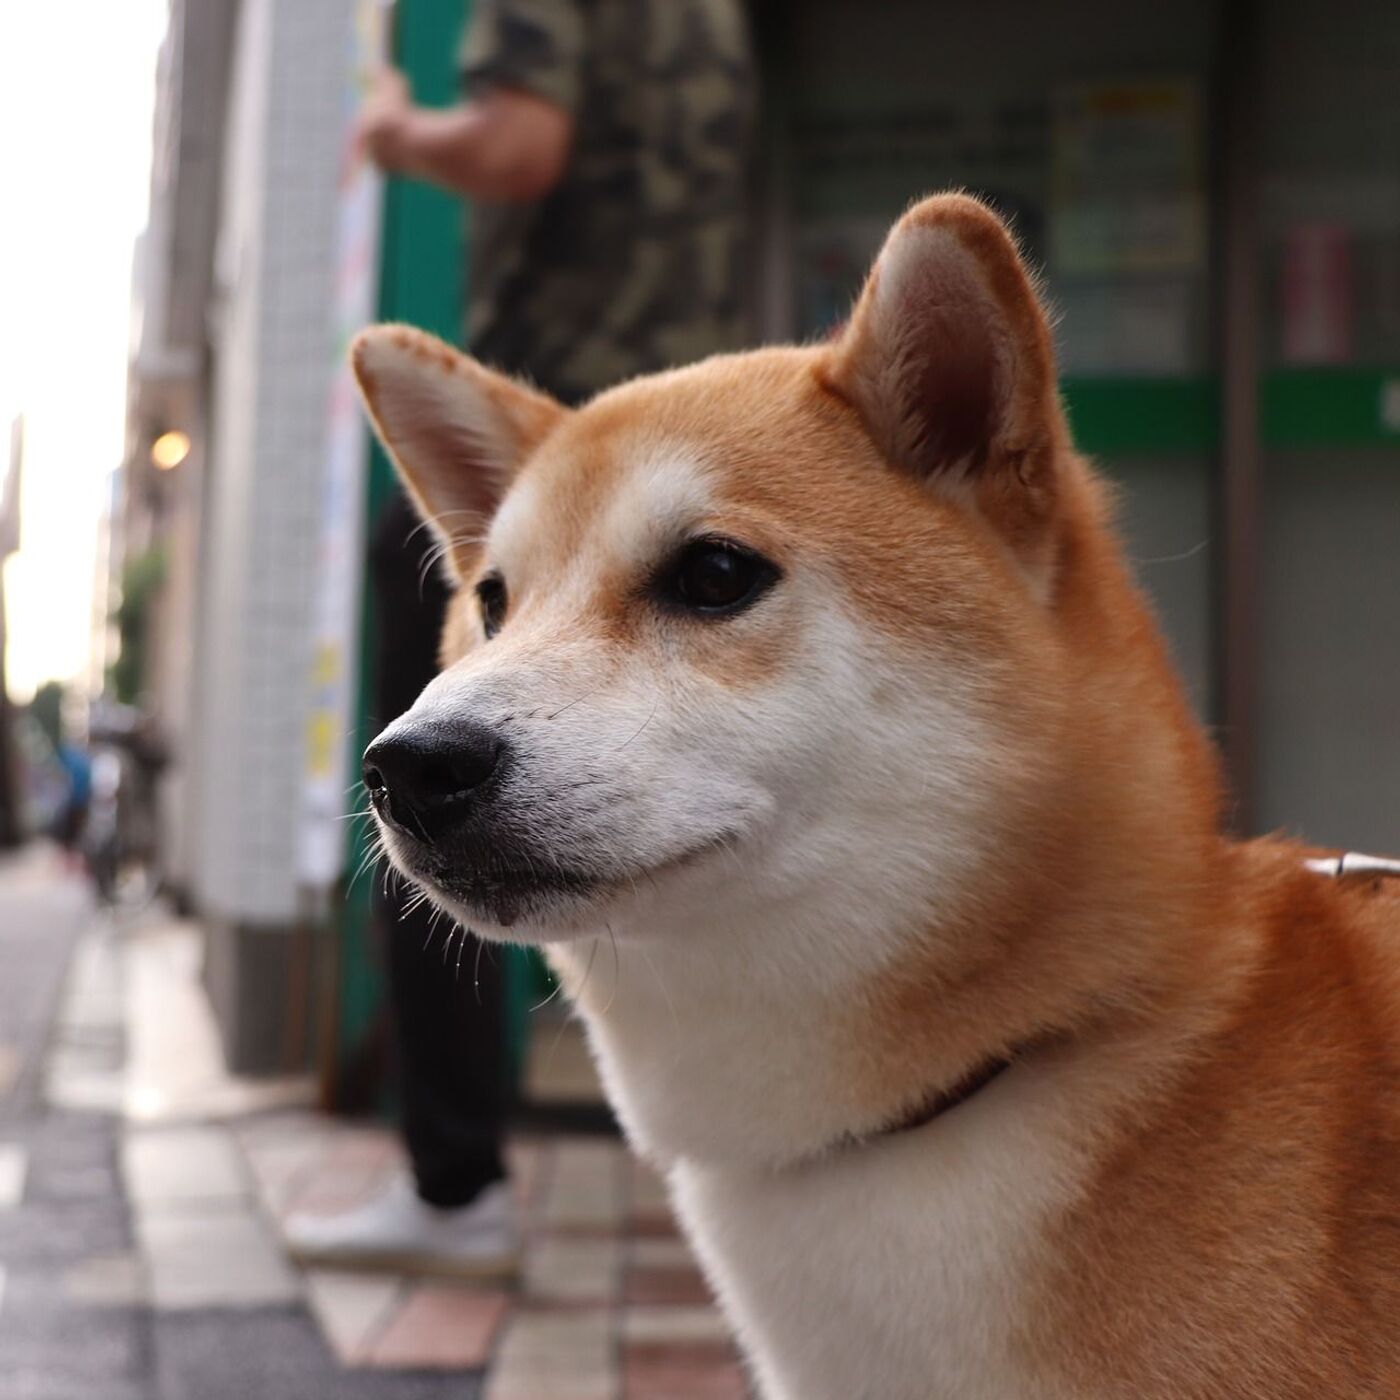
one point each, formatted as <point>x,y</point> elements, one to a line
<point>948,360</point>
<point>457,431</point>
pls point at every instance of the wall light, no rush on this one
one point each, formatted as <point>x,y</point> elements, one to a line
<point>170,449</point>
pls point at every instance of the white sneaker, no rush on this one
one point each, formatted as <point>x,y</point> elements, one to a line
<point>398,1232</point>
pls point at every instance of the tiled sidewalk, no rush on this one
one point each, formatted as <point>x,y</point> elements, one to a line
<point>142,1189</point>
<point>68,1330</point>
<point>610,1305</point>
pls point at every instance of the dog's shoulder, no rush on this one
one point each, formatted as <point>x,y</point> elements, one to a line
<point>1333,920</point>
<point>1263,1189</point>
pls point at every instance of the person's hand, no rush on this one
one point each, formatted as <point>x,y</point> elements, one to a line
<point>383,121</point>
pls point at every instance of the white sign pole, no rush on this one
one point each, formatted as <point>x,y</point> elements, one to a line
<point>326,784</point>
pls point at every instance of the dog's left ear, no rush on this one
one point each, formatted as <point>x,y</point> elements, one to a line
<point>948,360</point>
<point>457,431</point>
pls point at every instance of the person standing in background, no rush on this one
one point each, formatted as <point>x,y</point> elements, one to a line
<point>604,148</point>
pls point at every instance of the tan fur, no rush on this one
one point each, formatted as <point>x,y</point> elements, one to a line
<point>1218,1027</point>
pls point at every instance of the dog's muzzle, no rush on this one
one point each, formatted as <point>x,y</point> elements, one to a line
<point>444,789</point>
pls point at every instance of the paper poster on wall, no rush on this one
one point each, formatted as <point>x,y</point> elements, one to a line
<point>1332,267</point>
<point>1127,237</point>
<point>1127,193</point>
<point>859,155</point>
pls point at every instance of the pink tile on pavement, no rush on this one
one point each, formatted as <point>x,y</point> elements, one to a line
<point>352,1167</point>
<point>327,1192</point>
<point>660,1227</point>
<point>651,1253</point>
<point>648,1286</point>
<point>351,1309</point>
<point>440,1326</point>
<point>682,1373</point>
<point>365,1149</point>
<point>280,1169</point>
<point>649,1207</point>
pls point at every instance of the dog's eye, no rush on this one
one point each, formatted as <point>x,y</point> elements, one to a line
<point>715,577</point>
<point>491,595</point>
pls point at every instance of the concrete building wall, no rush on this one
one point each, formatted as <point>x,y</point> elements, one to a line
<point>168,389</point>
<point>233,425</point>
<point>273,353</point>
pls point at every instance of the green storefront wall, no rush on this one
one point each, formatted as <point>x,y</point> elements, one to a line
<point>1356,406</point>
<point>422,268</point>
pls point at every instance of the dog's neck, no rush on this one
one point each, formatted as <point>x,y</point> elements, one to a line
<point>750,1035</point>
<point>714,1055</point>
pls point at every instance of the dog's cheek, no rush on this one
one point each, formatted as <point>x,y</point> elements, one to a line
<point>672,766</point>
<point>751,654</point>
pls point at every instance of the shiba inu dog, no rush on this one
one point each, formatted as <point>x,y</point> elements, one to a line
<point>981,1065</point>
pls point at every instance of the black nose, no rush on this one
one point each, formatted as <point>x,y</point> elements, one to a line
<point>422,778</point>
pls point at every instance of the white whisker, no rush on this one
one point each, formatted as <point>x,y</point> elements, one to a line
<point>656,704</point>
<point>666,996</point>
<point>617,969</point>
<point>558,987</point>
<point>559,1034</point>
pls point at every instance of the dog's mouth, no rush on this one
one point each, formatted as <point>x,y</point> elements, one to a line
<point>508,890</point>
<point>508,896</point>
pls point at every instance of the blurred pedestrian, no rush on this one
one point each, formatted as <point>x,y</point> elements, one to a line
<point>78,768</point>
<point>604,147</point>
<point>66,822</point>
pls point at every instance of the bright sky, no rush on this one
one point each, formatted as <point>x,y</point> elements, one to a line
<point>76,92</point>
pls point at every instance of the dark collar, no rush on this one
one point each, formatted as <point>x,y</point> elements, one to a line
<point>944,1100</point>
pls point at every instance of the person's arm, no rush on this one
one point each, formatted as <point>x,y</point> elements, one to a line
<point>507,145</point>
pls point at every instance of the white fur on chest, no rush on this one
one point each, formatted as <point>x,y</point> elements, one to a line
<point>895,1270</point>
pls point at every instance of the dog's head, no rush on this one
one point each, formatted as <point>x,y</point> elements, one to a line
<point>775,624</point>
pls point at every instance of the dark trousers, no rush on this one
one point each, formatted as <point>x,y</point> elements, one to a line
<point>448,1024</point>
